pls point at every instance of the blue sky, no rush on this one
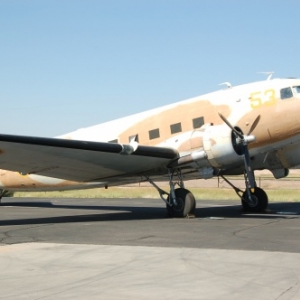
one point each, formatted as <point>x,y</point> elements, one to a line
<point>67,64</point>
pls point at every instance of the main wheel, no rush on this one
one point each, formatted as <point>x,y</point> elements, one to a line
<point>185,204</point>
<point>259,201</point>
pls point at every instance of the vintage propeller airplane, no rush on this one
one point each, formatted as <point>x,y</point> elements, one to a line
<point>236,130</point>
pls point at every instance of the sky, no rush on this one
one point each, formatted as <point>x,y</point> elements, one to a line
<point>69,64</point>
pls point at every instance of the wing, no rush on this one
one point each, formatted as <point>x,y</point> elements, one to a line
<point>80,160</point>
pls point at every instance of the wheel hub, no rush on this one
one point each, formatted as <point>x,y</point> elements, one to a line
<point>179,204</point>
<point>254,201</point>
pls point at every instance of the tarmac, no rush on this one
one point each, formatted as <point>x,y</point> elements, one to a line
<point>130,249</point>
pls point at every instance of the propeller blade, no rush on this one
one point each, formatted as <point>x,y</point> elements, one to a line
<point>254,124</point>
<point>239,134</point>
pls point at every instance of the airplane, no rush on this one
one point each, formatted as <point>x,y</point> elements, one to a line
<point>233,131</point>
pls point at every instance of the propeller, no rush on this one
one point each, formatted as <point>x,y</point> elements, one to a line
<point>254,124</point>
<point>238,133</point>
<point>242,141</point>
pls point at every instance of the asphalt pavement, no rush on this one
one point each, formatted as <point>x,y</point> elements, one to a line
<point>130,249</point>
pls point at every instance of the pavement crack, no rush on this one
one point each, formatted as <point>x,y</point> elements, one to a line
<point>288,289</point>
<point>235,233</point>
<point>6,235</point>
<point>142,238</point>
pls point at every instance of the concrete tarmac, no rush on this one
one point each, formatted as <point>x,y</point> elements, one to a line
<point>130,249</point>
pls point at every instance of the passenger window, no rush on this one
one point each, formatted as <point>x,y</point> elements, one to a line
<point>175,128</point>
<point>134,138</point>
<point>198,122</point>
<point>154,134</point>
<point>286,93</point>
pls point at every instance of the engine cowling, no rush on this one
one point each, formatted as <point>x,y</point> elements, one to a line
<point>220,144</point>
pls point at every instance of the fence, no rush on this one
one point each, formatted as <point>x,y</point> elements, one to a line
<point>263,181</point>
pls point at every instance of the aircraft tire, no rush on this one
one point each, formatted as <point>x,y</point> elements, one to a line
<point>186,204</point>
<point>260,201</point>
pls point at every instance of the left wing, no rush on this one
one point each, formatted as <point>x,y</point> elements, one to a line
<point>82,161</point>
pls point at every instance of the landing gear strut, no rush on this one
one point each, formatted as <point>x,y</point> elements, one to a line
<point>258,200</point>
<point>180,202</point>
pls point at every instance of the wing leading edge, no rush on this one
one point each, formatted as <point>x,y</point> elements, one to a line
<point>79,160</point>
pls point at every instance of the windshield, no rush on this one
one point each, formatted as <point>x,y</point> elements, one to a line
<point>296,90</point>
<point>286,93</point>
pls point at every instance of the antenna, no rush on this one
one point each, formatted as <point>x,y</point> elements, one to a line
<point>228,84</point>
<point>270,74</point>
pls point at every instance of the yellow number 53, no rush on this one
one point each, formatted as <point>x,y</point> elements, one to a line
<point>267,97</point>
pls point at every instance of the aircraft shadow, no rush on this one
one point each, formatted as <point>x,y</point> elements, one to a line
<point>275,210</point>
<point>114,213</point>
<point>130,213</point>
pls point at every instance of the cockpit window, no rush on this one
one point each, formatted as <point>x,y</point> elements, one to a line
<point>286,93</point>
<point>296,90</point>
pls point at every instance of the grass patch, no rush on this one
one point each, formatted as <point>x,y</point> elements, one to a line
<point>285,195</point>
<point>112,192</point>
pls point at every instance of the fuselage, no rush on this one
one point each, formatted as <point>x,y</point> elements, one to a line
<point>194,125</point>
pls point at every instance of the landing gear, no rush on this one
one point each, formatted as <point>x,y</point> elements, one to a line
<point>180,202</point>
<point>184,205</point>
<point>258,202</point>
<point>253,199</point>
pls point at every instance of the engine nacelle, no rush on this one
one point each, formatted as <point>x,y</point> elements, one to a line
<point>218,144</point>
